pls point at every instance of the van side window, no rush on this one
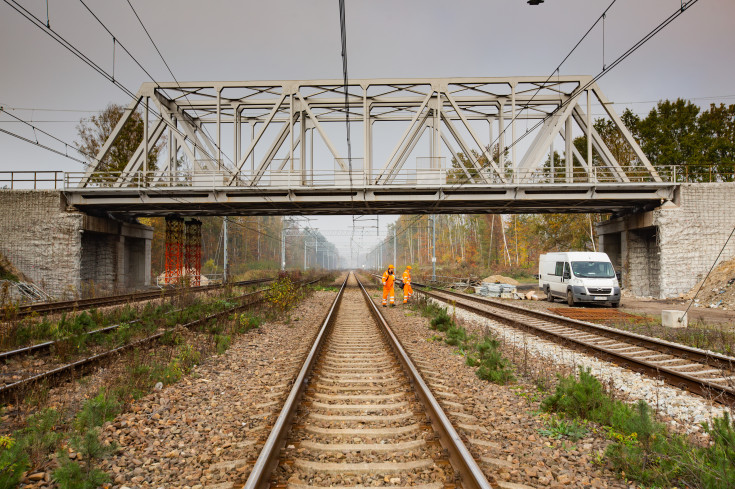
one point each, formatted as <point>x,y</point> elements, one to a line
<point>567,270</point>
<point>559,268</point>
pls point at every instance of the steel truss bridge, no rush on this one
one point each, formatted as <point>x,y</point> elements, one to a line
<point>451,145</point>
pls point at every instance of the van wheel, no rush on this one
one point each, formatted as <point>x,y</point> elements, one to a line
<point>549,297</point>
<point>615,304</point>
<point>570,298</point>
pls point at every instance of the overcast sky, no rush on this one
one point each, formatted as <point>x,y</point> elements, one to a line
<point>270,40</point>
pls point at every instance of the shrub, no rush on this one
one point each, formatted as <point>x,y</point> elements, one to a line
<point>720,455</point>
<point>283,294</point>
<point>73,475</point>
<point>442,321</point>
<point>494,367</point>
<point>642,447</point>
<point>456,336</point>
<point>40,438</point>
<point>13,462</point>
<point>96,411</point>
<point>222,342</point>
<point>578,398</point>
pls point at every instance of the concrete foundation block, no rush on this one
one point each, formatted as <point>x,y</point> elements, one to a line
<point>670,319</point>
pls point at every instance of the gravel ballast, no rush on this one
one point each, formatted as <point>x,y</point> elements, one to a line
<point>498,423</point>
<point>207,429</point>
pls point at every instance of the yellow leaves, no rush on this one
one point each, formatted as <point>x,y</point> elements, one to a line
<point>6,442</point>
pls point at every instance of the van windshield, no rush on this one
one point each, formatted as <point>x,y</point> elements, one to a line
<point>593,269</point>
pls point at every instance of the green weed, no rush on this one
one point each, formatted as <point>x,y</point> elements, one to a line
<point>248,321</point>
<point>222,342</point>
<point>558,428</point>
<point>642,447</point>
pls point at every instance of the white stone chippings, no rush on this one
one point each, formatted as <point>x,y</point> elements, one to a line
<point>687,410</point>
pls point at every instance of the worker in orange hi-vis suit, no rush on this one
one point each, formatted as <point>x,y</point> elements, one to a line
<point>389,279</point>
<point>407,290</point>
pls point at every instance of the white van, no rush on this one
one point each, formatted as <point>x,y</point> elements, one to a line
<point>578,276</point>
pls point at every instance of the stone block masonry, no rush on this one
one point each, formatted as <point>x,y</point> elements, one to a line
<point>667,251</point>
<point>68,253</point>
<point>692,234</point>
<point>41,239</point>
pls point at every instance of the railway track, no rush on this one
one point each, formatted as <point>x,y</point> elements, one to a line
<point>360,415</point>
<point>81,304</point>
<point>60,372</point>
<point>708,374</point>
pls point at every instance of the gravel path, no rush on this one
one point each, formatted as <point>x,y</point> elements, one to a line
<point>206,430</point>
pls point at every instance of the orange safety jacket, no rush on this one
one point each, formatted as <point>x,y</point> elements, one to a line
<point>407,278</point>
<point>388,280</point>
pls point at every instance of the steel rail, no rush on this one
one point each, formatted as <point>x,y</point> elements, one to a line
<point>702,387</point>
<point>46,346</point>
<point>9,391</point>
<point>267,461</point>
<point>61,306</point>
<point>698,355</point>
<point>460,458</point>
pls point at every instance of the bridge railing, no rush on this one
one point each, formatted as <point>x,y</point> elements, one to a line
<point>408,177</point>
<point>31,180</point>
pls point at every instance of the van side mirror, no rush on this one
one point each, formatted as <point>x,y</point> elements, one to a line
<point>567,275</point>
<point>537,276</point>
<point>619,275</point>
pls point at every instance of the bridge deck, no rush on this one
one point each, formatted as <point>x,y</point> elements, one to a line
<point>446,199</point>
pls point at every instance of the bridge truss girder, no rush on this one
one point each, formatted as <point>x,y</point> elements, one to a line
<point>283,115</point>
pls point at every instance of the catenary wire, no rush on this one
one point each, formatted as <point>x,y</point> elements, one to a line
<point>593,80</point>
<point>2,110</point>
<point>36,143</point>
<point>186,95</point>
<point>74,50</point>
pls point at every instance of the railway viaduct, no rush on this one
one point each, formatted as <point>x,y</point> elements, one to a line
<point>460,151</point>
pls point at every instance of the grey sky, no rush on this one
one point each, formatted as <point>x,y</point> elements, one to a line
<point>219,40</point>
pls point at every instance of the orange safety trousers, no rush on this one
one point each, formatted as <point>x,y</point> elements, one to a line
<point>389,292</point>
<point>407,292</point>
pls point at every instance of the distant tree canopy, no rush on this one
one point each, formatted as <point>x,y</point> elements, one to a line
<point>94,131</point>
<point>678,133</point>
<point>465,169</point>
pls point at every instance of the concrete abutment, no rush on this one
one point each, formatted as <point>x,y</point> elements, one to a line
<point>665,252</point>
<point>68,253</point>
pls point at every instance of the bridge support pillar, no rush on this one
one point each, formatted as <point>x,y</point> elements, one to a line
<point>194,251</point>
<point>175,250</point>
<point>665,252</point>
<point>68,253</point>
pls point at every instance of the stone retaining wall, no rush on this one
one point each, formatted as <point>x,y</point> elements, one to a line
<point>68,253</point>
<point>665,252</point>
<point>41,239</point>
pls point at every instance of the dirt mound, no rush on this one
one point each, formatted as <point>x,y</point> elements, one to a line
<point>499,279</point>
<point>9,272</point>
<point>719,289</point>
